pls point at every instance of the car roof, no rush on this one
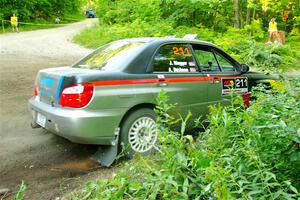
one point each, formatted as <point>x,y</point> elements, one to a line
<point>145,54</point>
<point>168,40</point>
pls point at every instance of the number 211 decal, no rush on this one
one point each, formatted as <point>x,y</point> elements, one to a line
<point>181,51</point>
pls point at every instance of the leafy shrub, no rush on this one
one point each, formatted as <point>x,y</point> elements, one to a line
<point>262,56</point>
<point>94,37</point>
<point>255,30</point>
<point>296,28</point>
<point>243,154</point>
<point>233,44</point>
<point>129,11</point>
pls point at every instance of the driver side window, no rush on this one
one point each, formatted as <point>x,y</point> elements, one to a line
<point>225,64</point>
<point>206,59</point>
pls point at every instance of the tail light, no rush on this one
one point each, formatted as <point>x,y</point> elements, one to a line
<point>35,89</point>
<point>76,96</point>
<point>246,99</point>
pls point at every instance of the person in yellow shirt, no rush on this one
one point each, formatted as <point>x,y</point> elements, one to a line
<point>14,23</point>
<point>272,30</point>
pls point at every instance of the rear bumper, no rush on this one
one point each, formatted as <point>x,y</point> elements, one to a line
<point>79,125</point>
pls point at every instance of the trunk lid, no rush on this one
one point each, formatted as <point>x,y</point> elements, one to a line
<point>50,82</point>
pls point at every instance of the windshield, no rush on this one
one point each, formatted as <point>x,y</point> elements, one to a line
<point>110,57</point>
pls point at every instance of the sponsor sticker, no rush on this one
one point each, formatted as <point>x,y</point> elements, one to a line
<point>236,85</point>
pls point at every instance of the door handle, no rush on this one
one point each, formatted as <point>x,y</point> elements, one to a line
<point>162,82</point>
<point>215,80</point>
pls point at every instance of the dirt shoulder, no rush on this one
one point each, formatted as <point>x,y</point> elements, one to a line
<point>49,165</point>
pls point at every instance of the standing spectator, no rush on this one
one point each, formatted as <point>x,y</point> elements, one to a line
<point>14,23</point>
<point>272,30</point>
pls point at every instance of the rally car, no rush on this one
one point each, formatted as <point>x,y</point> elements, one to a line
<point>90,13</point>
<point>107,98</point>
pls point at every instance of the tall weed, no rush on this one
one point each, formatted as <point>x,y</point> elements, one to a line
<point>21,191</point>
<point>249,153</point>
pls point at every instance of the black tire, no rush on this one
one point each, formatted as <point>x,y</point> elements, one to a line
<point>144,138</point>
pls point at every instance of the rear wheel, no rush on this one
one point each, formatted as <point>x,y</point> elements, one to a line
<point>138,132</point>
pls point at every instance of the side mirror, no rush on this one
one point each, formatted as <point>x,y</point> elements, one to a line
<point>244,68</point>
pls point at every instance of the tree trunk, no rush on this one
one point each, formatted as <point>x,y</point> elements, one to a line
<point>248,14</point>
<point>194,18</point>
<point>241,19</point>
<point>254,13</point>
<point>236,13</point>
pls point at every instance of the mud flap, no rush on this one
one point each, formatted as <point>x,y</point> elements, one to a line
<point>34,125</point>
<point>106,155</point>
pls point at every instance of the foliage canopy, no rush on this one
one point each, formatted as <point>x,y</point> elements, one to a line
<point>216,14</point>
<point>39,9</point>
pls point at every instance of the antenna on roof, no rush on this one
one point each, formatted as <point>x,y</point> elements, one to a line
<point>190,36</point>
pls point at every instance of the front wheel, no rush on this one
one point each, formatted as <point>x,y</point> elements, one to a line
<point>138,132</point>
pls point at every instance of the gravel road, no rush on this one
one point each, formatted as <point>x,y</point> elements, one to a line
<point>49,165</point>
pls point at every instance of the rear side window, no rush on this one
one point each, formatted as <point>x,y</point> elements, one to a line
<point>174,58</point>
<point>111,57</point>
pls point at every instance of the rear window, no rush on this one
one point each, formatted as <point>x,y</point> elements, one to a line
<point>111,57</point>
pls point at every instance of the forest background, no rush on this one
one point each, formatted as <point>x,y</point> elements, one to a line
<point>240,27</point>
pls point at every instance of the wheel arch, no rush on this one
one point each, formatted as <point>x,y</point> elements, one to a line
<point>134,108</point>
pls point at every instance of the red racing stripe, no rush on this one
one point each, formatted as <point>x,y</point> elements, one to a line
<point>125,82</point>
<point>157,80</point>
